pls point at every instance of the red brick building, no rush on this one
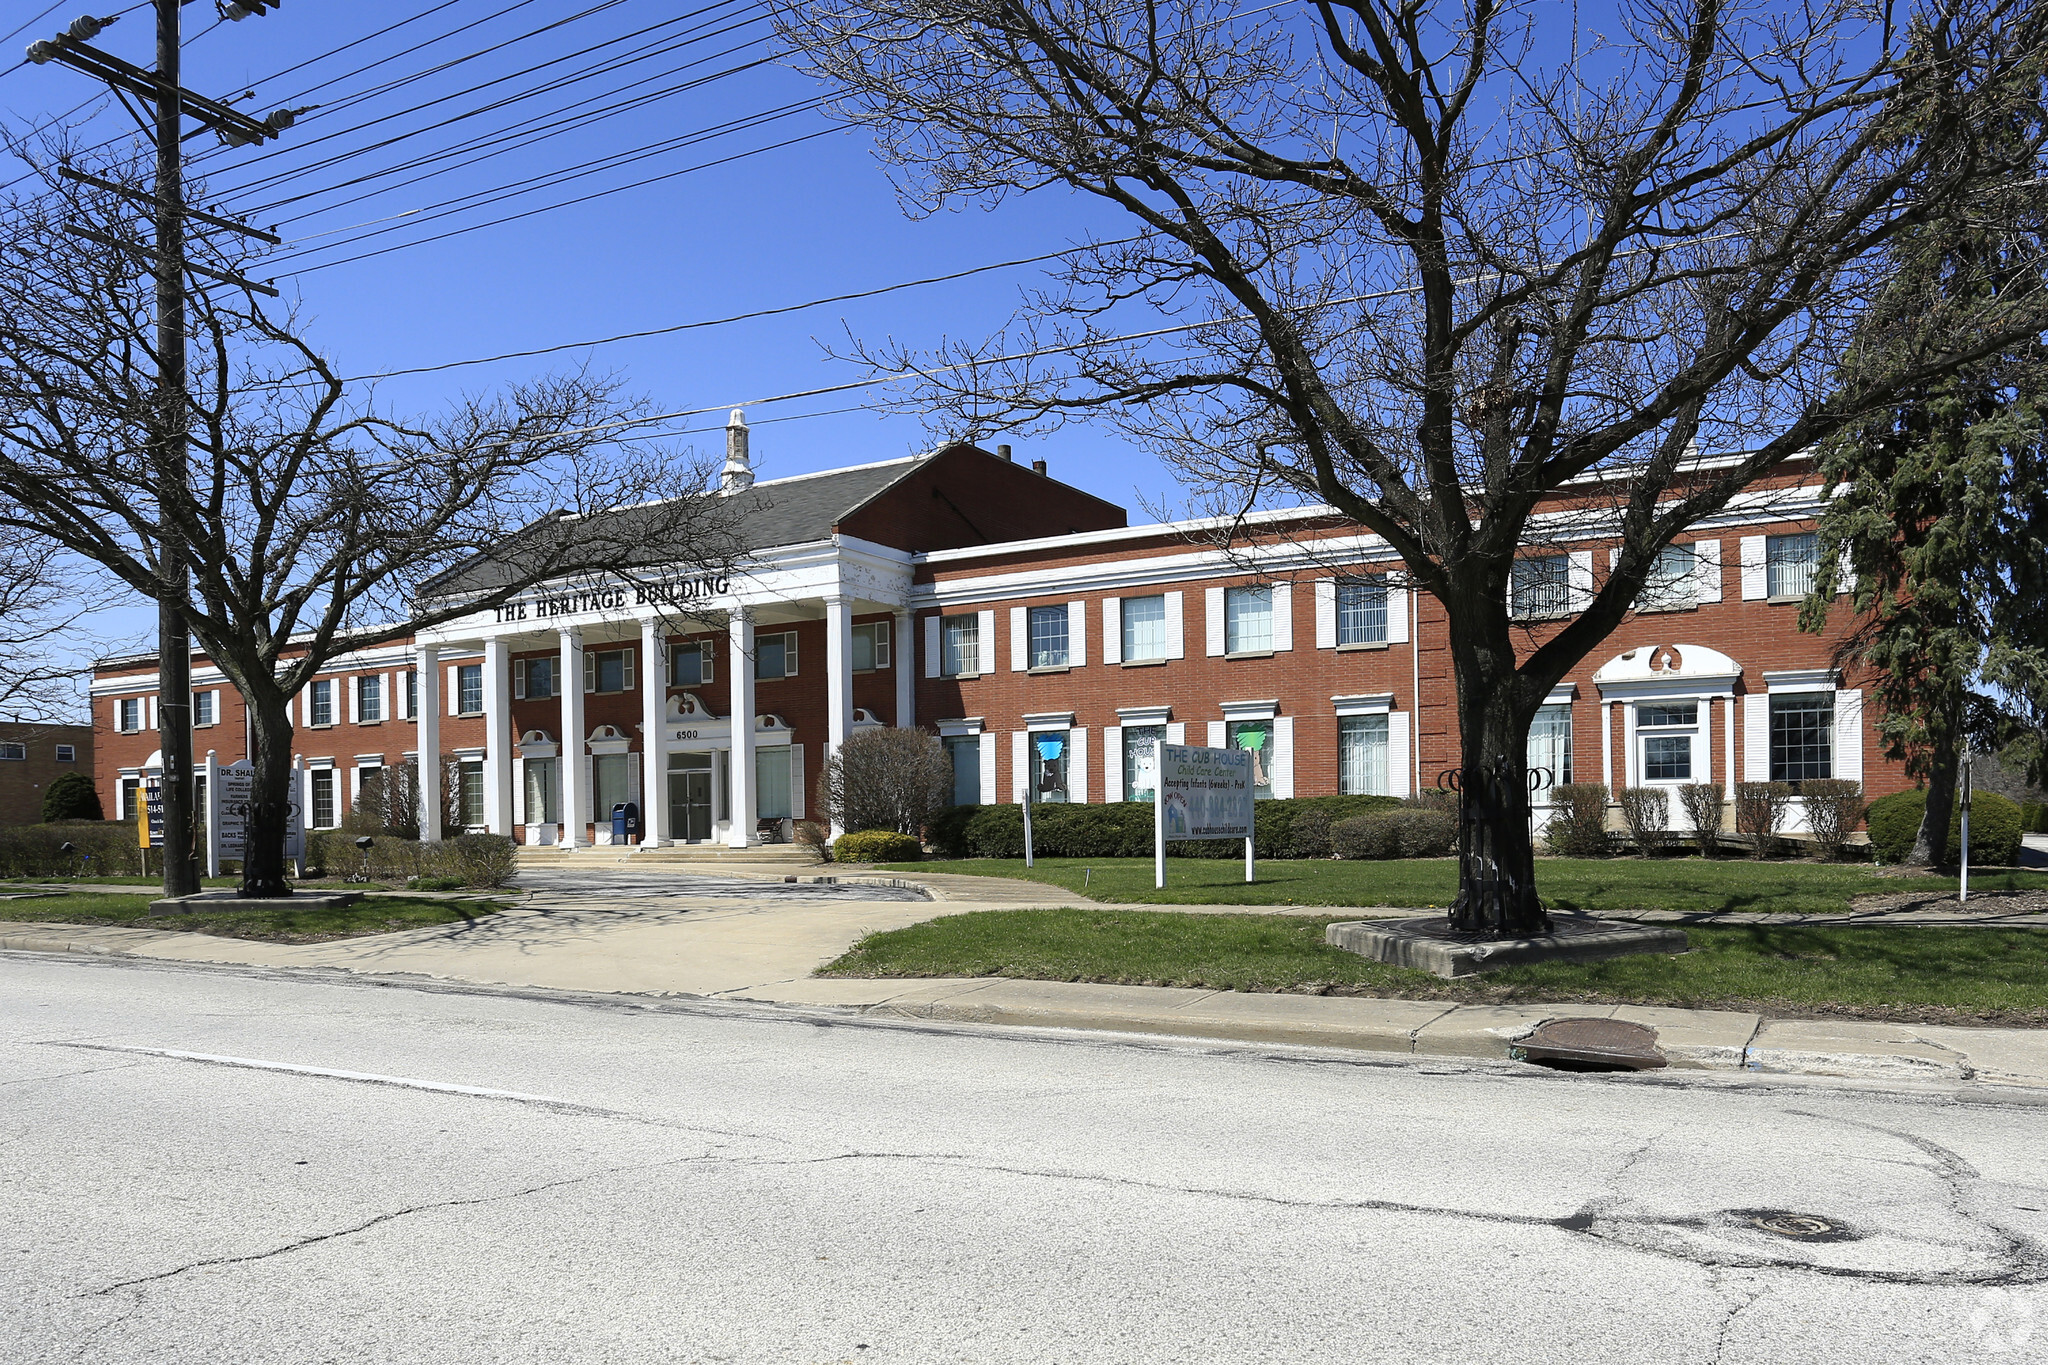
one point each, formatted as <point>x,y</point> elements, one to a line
<point>32,756</point>
<point>990,603</point>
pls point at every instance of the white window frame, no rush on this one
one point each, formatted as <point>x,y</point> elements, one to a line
<point>370,700</point>
<point>1238,608</point>
<point>959,636</point>
<point>789,656</point>
<point>1128,640</point>
<point>319,701</point>
<point>876,633</point>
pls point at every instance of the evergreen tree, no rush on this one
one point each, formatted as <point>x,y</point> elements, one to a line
<point>72,797</point>
<point>1940,507</point>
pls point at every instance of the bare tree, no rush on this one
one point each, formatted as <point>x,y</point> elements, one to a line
<point>1470,301</point>
<point>886,779</point>
<point>316,523</point>
<point>42,598</point>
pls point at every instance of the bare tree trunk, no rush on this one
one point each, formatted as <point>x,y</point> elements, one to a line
<point>1930,845</point>
<point>270,730</point>
<point>1496,855</point>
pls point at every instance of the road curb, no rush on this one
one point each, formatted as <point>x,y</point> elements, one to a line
<point>37,943</point>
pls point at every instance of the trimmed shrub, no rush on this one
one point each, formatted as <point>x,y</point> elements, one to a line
<point>1895,823</point>
<point>72,797</point>
<point>1834,806</point>
<point>1124,829</point>
<point>1994,827</point>
<point>876,846</point>
<point>1701,802</point>
<point>1578,829</point>
<point>1759,810</point>
<point>484,861</point>
<point>1646,810</point>
<point>467,861</point>
<point>1395,834</point>
<point>101,848</point>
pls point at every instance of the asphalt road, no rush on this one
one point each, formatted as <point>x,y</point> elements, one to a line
<point>200,1164</point>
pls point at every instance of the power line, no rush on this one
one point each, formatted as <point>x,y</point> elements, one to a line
<point>550,179</point>
<point>533,128</point>
<point>745,317</point>
<point>569,203</point>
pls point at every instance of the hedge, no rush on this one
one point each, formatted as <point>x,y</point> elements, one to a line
<point>102,848</point>
<point>1995,827</point>
<point>1396,834</point>
<point>876,846</point>
<point>467,860</point>
<point>1285,828</point>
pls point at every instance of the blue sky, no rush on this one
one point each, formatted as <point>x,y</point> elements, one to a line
<point>768,229</point>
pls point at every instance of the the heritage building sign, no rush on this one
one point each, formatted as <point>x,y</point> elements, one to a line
<point>546,605</point>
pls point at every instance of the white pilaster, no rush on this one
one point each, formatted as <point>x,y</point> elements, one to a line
<point>497,736</point>
<point>904,657</point>
<point>653,749</point>
<point>1607,746</point>
<point>838,676</point>
<point>743,803</point>
<point>575,799</point>
<point>428,798</point>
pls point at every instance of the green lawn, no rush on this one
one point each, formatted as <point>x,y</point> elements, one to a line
<point>219,883</point>
<point>1590,884</point>
<point>1980,975</point>
<point>371,915</point>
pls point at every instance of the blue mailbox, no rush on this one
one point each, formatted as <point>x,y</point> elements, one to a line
<point>625,822</point>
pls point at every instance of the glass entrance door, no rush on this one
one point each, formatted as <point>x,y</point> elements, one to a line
<point>689,797</point>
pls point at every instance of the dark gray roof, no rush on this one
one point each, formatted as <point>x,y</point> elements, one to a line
<point>792,511</point>
<point>805,507</point>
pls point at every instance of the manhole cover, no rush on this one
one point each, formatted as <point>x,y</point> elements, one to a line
<point>1799,1227</point>
<point>1590,1045</point>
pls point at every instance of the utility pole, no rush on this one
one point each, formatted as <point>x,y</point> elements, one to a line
<point>173,636</point>
<point>168,421</point>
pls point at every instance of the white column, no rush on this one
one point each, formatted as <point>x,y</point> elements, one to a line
<point>838,676</point>
<point>1607,746</point>
<point>428,741</point>
<point>1728,774</point>
<point>570,684</point>
<point>904,656</point>
<point>743,804</point>
<point>653,749</point>
<point>213,811</point>
<point>497,736</point>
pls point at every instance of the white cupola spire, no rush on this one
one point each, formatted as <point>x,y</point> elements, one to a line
<point>739,464</point>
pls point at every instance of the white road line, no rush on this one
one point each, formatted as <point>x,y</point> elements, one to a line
<point>366,1077</point>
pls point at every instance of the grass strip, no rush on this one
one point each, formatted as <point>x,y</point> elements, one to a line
<point>1595,885</point>
<point>286,924</point>
<point>1976,975</point>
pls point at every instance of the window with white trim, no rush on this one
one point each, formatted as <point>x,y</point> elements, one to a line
<point>1362,748</point>
<point>540,677</point>
<point>1541,587</point>
<point>128,715</point>
<point>1050,751</point>
<point>322,782</point>
<point>960,651</point>
<point>1672,583</point>
<point>13,750</point>
<point>470,792</point>
<point>1550,744</point>
<point>370,698</point>
<point>67,753</point>
<point>202,708</point>
<point>412,694</point>
<point>320,709</point>
<point>965,753</point>
<point>1255,736</point>
<point>611,670</point>
<point>1802,736</point>
<point>870,646</point>
<point>1048,636</point>
<point>774,656</point>
<point>1141,761</point>
<point>1790,563</point>
<point>1144,628</point>
<point>689,664</point>
<point>771,782</point>
<point>1248,620</point>
<point>469,689</point>
<point>1666,731</point>
<point>1362,611</point>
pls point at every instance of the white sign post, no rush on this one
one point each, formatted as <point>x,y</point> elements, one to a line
<point>1200,794</point>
